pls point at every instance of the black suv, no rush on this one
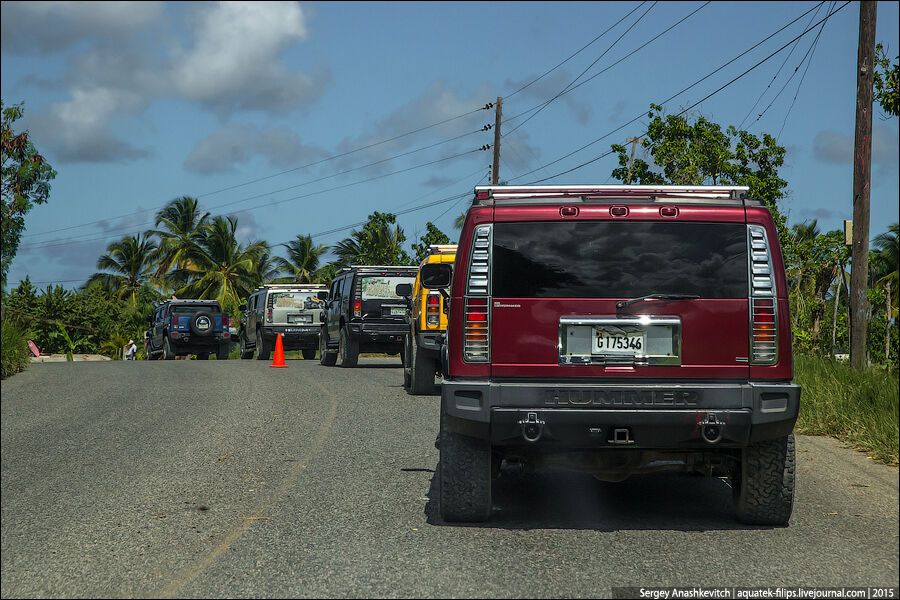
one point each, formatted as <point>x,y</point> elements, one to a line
<point>183,327</point>
<point>364,314</point>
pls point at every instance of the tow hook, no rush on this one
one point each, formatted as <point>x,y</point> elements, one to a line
<point>711,428</point>
<point>532,427</point>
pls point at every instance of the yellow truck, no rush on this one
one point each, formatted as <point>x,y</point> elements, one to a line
<point>427,326</point>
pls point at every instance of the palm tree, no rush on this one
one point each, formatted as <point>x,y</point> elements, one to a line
<point>885,271</point>
<point>302,259</point>
<point>182,229</point>
<point>131,262</point>
<point>219,266</point>
<point>267,268</point>
<point>377,243</point>
<point>459,221</point>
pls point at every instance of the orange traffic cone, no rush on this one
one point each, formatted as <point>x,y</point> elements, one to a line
<point>278,360</point>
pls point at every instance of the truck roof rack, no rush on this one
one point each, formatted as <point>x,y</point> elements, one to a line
<point>677,194</point>
<point>378,267</point>
<point>442,249</point>
<point>293,286</point>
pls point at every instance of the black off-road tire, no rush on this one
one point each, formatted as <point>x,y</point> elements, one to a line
<point>263,351</point>
<point>167,352</point>
<point>407,379</point>
<point>203,356</point>
<point>223,351</point>
<point>309,354</point>
<point>421,371</point>
<point>245,354</point>
<point>326,358</point>
<point>465,471</point>
<point>763,484</point>
<point>348,350</point>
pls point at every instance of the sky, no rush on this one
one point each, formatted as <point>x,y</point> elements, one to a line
<point>262,109</point>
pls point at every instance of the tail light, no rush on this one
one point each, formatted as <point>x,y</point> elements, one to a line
<point>763,301</point>
<point>269,315</point>
<point>357,307</point>
<point>175,321</point>
<point>476,340</point>
<point>433,309</point>
<point>225,322</point>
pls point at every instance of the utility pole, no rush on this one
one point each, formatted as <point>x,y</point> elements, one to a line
<point>862,172</point>
<point>633,142</point>
<point>495,170</point>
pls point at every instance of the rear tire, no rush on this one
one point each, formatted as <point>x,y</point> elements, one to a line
<point>763,485</point>
<point>309,354</point>
<point>245,354</point>
<point>167,353</point>
<point>421,371</point>
<point>326,358</point>
<point>223,352</point>
<point>263,352</point>
<point>465,477</point>
<point>348,350</point>
<point>407,379</point>
<point>203,356</point>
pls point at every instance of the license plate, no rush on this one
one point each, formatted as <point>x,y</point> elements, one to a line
<point>398,312</point>
<point>626,343</point>
<point>299,318</point>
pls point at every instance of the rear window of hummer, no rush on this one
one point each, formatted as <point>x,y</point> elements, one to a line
<point>603,259</point>
<point>194,309</point>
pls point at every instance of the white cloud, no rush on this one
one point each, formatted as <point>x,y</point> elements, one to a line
<point>44,27</point>
<point>237,144</point>
<point>837,148</point>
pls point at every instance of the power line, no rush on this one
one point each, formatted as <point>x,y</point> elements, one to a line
<point>778,72</point>
<point>708,96</point>
<point>312,164</point>
<point>673,96</point>
<point>275,202</point>
<point>589,67</point>
<point>809,50</point>
<point>576,53</point>
<point>800,85</point>
<point>626,56</point>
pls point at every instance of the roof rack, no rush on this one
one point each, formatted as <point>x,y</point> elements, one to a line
<point>379,267</point>
<point>544,194</point>
<point>293,285</point>
<point>442,249</point>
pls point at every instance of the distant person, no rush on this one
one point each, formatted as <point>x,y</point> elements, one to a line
<point>130,350</point>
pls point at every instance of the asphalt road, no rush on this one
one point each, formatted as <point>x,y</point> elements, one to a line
<point>212,479</point>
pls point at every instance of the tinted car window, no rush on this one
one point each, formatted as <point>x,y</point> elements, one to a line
<point>619,260</point>
<point>194,309</point>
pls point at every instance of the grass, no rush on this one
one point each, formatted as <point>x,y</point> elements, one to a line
<point>14,354</point>
<point>858,408</point>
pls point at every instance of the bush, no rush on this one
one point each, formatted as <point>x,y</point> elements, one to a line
<point>14,350</point>
<point>857,407</point>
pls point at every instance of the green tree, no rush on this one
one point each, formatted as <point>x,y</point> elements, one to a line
<point>432,235</point>
<point>696,151</point>
<point>379,242</point>
<point>885,270</point>
<point>180,225</point>
<point>459,221</point>
<point>26,177</point>
<point>220,267</point>
<point>266,268</point>
<point>302,260</point>
<point>886,92</point>
<point>127,265</point>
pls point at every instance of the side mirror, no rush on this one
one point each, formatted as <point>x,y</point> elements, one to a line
<point>404,290</point>
<point>436,276</point>
<point>323,296</point>
<point>242,308</point>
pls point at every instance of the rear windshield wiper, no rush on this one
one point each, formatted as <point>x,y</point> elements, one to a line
<point>626,303</point>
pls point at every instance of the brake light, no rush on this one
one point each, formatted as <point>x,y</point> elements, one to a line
<point>476,340</point>
<point>269,315</point>
<point>763,301</point>
<point>433,310</point>
<point>357,307</point>
<point>175,321</point>
<point>225,322</point>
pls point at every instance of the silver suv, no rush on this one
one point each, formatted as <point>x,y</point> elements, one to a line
<point>293,310</point>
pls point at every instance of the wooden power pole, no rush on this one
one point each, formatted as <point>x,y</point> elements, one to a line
<point>495,169</point>
<point>862,172</point>
<point>634,143</point>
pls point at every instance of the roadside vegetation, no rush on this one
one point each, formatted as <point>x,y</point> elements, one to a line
<point>14,351</point>
<point>859,408</point>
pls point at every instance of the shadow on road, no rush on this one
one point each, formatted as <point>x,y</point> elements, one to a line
<point>567,500</point>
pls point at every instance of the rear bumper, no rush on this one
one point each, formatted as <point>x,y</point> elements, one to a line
<point>389,333</point>
<point>182,341</point>
<point>294,337</point>
<point>656,416</point>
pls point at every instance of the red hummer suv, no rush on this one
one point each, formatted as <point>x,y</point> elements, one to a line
<point>618,330</point>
